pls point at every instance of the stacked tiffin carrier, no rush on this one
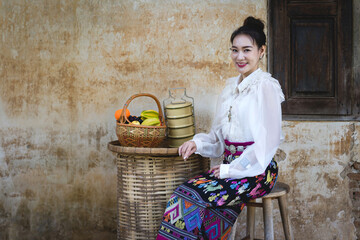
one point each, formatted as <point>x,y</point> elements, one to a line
<point>179,115</point>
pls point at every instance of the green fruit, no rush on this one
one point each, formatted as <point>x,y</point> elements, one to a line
<point>151,122</point>
<point>135,122</point>
<point>149,114</point>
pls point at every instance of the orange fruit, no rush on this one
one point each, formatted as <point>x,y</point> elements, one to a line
<point>118,114</point>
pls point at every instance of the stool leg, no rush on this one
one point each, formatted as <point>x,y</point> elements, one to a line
<point>284,217</point>
<point>250,222</point>
<point>268,219</point>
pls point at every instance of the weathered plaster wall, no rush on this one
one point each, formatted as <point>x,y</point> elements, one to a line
<point>66,66</point>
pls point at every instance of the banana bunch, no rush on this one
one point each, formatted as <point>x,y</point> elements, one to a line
<point>150,118</point>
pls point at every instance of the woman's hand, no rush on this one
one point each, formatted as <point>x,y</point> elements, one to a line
<point>186,149</point>
<point>215,170</point>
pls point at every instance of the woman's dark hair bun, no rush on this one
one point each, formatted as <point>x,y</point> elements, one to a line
<point>254,23</point>
<point>254,28</point>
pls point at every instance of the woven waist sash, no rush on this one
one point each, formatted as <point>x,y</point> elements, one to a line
<point>234,150</point>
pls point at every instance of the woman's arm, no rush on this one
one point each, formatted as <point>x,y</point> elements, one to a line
<point>208,144</point>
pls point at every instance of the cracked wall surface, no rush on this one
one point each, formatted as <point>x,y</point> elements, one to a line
<point>66,66</point>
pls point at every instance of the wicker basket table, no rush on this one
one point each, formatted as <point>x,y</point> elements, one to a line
<point>146,178</point>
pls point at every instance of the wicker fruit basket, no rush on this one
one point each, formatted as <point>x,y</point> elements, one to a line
<point>131,135</point>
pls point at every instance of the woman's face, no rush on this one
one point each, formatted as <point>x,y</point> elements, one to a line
<point>246,54</point>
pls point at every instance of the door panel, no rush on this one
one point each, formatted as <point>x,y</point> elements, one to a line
<point>311,55</point>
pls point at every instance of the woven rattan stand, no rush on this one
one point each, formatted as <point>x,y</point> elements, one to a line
<point>146,179</point>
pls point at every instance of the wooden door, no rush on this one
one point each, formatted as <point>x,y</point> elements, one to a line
<point>311,55</point>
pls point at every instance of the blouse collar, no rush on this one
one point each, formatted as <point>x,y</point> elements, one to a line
<point>246,82</point>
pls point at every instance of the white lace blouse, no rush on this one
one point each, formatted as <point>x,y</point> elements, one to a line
<point>255,108</point>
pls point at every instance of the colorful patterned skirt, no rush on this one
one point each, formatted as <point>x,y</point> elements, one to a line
<point>206,207</point>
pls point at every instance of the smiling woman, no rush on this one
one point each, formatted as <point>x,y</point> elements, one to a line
<point>246,55</point>
<point>247,132</point>
<point>248,46</point>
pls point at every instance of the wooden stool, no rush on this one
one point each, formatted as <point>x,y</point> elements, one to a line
<point>279,192</point>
